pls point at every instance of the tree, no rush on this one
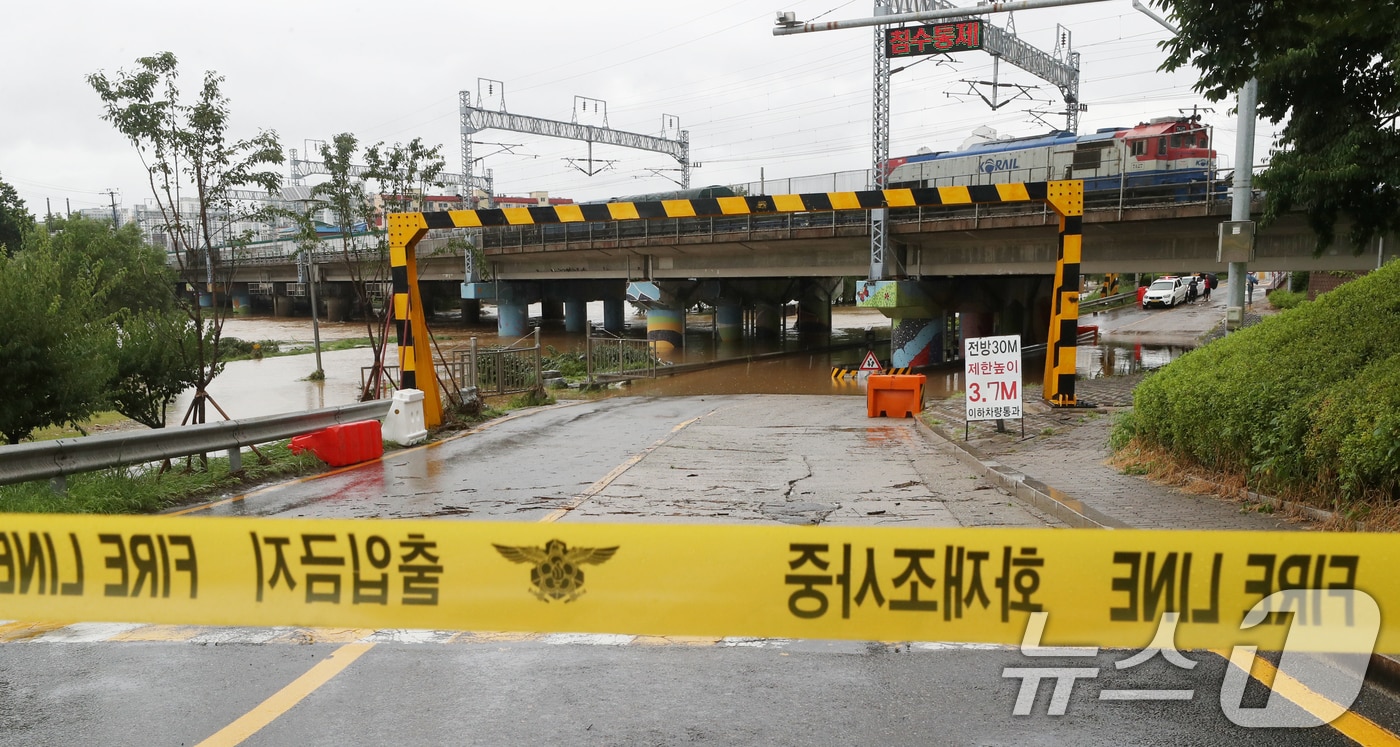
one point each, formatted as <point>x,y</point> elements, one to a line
<point>128,275</point>
<point>53,358</point>
<point>15,220</point>
<point>1330,68</point>
<point>126,286</point>
<point>150,371</point>
<point>189,157</point>
<point>403,173</point>
<point>344,193</point>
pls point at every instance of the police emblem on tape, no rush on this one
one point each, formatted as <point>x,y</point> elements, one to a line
<point>557,573</point>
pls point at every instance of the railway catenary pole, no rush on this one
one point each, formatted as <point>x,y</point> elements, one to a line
<point>881,266</point>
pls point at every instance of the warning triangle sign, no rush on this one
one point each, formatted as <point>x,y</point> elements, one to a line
<point>871,363</point>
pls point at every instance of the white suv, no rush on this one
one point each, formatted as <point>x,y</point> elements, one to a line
<point>1165,291</point>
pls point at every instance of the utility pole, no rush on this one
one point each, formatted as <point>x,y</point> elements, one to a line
<point>320,372</point>
<point>1242,195</point>
<point>116,222</point>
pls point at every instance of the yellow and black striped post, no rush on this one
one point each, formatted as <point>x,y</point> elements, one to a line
<point>416,370</point>
<point>1066,197</point>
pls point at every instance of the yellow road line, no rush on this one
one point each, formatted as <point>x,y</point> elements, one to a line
<point>616,472</point>
<point>269,710</point>
<point>1350,724</point>
<point>289,696</point>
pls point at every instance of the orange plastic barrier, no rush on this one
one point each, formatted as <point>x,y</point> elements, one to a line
<point>339,445</point>
<point>899,396</point>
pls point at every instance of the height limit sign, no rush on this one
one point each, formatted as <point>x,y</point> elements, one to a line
<point>993,377</point>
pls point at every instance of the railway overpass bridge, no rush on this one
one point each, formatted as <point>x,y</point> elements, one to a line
<point>939,241</point>
<point>989,263</point>
<point>978,240</point>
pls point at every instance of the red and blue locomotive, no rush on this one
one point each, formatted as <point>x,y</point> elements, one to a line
<point>1168,157</point>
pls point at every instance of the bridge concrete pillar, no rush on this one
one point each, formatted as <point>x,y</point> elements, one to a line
<point>729,320</point>
<point>614,315</point>
<point>666,327</point>
<point>282,305</point>
<point>575,315</point>
<point>242,299</point>
<point>471,311</point>
<point>917,341</point>
<point>337,308</point>
<point>512,318</point>
<point>918,321</point>
<point>551,309</point>
<point>813,315</point>
<point>767,321</point>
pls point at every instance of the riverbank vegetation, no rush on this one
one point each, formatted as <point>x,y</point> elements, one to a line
<point>1304,405</point>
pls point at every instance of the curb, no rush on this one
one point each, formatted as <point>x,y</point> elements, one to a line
<point>1027,489</point>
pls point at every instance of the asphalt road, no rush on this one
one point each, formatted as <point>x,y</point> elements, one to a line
<point>732,459</point>
<point>739,458</point>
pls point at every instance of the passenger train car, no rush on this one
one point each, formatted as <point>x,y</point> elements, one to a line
<point>1169,156</point>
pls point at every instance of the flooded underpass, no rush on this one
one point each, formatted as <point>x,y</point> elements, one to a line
<point>280,384</point>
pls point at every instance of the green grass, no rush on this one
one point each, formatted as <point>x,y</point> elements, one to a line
<point>52,432</point>
<point>141,491</point>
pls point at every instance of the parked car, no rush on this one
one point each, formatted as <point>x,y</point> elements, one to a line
<point>1165,291</point>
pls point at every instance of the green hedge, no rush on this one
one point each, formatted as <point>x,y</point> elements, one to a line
<point>1306,399</point>
<point>1283,299</point>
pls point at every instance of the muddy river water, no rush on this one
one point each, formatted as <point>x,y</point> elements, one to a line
<point>279,384</point>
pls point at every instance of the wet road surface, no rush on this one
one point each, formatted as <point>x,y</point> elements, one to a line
<point>748,458</point>
<point>618,690</point>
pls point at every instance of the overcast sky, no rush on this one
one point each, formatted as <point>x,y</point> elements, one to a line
<point>752,103</point>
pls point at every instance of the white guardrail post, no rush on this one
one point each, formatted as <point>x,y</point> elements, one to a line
<point>54,460</point>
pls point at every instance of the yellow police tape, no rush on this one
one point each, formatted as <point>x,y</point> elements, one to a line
<point>1105,588</point>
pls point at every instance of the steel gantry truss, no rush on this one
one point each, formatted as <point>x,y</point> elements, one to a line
<point>301,169</point>
<point>475,119</point>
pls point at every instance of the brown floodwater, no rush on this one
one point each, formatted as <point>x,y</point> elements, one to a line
<point>279,384</point>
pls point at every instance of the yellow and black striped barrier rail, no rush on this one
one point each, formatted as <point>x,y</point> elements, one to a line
<point>708,207</point>
<point>864,583</point>
<point>844,373</point>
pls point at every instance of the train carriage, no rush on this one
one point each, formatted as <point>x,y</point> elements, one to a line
<point>1168,157</point>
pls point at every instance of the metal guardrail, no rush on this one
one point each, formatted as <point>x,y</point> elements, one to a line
<point>616,358</point>
<point>1086,336</point>
<point>495,371</point>
<point>1107,300</point>
<point>44,460</point>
